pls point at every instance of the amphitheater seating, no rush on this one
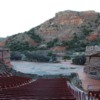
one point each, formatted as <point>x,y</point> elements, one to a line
<point>5,74</point>
<point>22,88</point>
<point>94,95</point>
<point>13,81</point>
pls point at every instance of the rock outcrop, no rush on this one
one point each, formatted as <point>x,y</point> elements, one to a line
<point>63,26</point>
<point>92,67</point>
<point>66,23</point>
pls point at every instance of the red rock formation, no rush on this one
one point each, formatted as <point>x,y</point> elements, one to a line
<point>58,49</point>
<point>66,23</point>
<point>92,37</point>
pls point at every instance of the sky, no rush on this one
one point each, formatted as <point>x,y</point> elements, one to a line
<point>17,16</point>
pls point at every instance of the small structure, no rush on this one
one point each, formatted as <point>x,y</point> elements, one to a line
<point>5,57</point>
<point>92,67</point>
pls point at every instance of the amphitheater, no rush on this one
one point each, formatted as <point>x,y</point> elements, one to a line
<point>22,88</point>
<point>14,87</point>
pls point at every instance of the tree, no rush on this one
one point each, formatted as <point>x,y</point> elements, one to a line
<point>15,55</point>
<point>79,60</point>
<point>66,57</point>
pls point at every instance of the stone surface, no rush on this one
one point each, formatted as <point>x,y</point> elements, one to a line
<point>63,26</point>
<point>66,23</point>
<point>92,66</point>
<point>91,50</point>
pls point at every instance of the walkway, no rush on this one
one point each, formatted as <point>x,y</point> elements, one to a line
<point>86,81</point>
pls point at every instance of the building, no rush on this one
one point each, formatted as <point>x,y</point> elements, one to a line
<point>5,56</point>
<point>92,67</point>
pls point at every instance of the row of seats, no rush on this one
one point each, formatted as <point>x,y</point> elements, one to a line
<point>13,81</point>
<point>41,89</point>
<point>5,74</point>
<point>94,95</point>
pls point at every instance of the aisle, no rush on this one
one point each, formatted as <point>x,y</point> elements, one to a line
<point>88,81</point>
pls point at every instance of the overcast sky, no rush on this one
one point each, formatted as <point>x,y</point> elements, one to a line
<point>21,15</point>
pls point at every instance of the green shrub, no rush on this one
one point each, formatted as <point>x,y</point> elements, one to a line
<point>79,60</point>
<point>52,43</point>
<point>15,55</point>
<point>34,35</point>
<point>66,57</point>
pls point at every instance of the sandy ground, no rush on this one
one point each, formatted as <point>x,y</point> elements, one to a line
<point>86,81</point>
<point>45,68</point>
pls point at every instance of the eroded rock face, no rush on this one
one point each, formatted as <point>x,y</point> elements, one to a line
<point>63,26</point>
<point>58,49</point>
<point>92,50</point>
<point>92,67</point>
<point>70,17</point>
<point>66,23</point>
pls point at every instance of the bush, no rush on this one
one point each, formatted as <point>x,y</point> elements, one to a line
<point>52,43</point>
<point>15,55</point>
<point>34,35</point>
<point>41,58</point>
<point>79,60</point>
<point>67,57</point>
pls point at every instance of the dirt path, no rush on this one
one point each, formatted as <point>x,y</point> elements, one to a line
<point>86,81</point>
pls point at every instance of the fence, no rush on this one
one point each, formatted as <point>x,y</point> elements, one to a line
<point>79,94</point>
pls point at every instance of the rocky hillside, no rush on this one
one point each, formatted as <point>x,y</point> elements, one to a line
<point>23,41</point>
<point>65,24</point>
<point>71,29</point>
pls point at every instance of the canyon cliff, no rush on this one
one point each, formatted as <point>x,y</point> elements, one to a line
<point>69,28</point>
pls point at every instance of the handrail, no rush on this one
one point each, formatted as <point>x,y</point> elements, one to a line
<point>79,94</point>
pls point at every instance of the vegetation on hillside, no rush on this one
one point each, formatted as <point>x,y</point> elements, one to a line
<point>82,25</point>
<point>17,44</point>
<point>37,56</point>
<point>77,43</point>
<point>52,43</point>
<point>34,35</point>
